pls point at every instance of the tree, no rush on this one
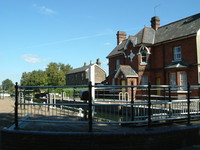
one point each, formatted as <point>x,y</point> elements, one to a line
<point>7,85</point>
<point>25,78</point>
<point>57,73</point>
<point>34,78</point>
<point>54,75</point>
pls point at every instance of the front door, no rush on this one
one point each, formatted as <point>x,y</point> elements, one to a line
<point>123,82</point>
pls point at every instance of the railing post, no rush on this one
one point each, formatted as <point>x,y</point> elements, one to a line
<point>90,107</point>
<point>74,90</point>
<point>188,103</point>
<point>170,102</point>
<point>16,106</point>
<point>149,105</point>
<point>132,102</point>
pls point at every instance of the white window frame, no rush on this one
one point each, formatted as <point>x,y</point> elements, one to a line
<point>183,81</point>
<point>143,56</point>
<point>172,79</point>
<point>177,55</point>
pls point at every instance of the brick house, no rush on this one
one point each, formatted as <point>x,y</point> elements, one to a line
<point>80,76</point>
<point>168,54</point>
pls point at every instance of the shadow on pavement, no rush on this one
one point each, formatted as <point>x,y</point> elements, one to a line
<point>6,120</point>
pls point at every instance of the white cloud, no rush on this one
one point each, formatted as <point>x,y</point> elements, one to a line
<point>44,10</point>
<point>31,58</point>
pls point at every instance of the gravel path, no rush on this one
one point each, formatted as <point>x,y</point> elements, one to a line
<point>6,114</point>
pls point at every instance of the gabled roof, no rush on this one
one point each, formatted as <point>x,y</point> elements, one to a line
<point>175,30</point>
<point>84,68</point>
<point>184,27</point>
<point>132,39</point>
<point>118,49</point>
<point>80,69</point>
<point>127,71</point>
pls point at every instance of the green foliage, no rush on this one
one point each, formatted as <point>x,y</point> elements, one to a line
<point>7,85</point>
<point>54,75</point>
<point>34,78</point>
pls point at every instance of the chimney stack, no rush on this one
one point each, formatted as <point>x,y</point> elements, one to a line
<point>121,35</point>
<point>84,64</point>
<point>155,22</point>
<point>98,62</point>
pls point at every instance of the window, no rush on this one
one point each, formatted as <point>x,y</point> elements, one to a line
<point>183,81</point>
<point>143,56</point>
<point>172,78</point>
<point>177,53</point>
<point>117,64</point>
<point>145,80</point>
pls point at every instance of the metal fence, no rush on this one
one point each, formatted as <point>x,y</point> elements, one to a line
<point>106,104</point>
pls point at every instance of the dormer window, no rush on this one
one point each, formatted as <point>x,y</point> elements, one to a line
<point>144,55</point>
<point>177,53</point>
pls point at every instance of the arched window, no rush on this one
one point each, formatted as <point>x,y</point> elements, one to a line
<point>144,53</point>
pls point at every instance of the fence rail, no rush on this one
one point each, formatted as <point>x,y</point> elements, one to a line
<point>143,104</point>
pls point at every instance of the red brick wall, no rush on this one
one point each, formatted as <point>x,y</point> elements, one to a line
<point>160,57</point>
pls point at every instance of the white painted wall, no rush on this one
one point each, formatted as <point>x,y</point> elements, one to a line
<point>198,53</point>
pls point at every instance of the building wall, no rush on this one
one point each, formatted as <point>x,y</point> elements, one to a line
<point>100,75</point>
<point>161,56</point>
<point>80,78</point>
<point>198,53</point>
<point>112,63</point>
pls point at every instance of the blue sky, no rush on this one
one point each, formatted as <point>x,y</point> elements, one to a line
<point>34,33</point>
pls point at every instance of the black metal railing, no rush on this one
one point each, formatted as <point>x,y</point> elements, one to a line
<point>107,104</point>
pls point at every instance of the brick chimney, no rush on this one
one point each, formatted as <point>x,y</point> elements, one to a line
<point>155,22</point>
<point>121,35</point>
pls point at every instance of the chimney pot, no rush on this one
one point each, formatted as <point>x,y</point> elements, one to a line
<point>98,62</point>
